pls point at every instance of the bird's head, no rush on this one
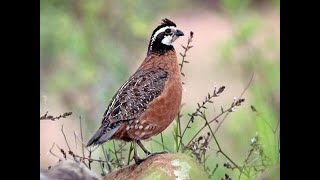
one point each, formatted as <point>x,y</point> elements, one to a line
<point>163,36</point>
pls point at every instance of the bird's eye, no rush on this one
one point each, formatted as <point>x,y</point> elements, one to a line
<point>167,31</point>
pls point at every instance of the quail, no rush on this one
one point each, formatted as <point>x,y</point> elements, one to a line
<point>149,100</point>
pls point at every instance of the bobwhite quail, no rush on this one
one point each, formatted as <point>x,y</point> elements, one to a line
<point>148,102</point>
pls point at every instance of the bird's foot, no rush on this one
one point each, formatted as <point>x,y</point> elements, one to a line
<point>139,160</point>
<point>155,153</point>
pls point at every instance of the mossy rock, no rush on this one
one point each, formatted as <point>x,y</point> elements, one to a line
<point>162,166</point>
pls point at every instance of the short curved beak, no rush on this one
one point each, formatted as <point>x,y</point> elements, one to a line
<point>179,33</point>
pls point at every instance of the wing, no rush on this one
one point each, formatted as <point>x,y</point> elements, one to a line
<point>130,101</point>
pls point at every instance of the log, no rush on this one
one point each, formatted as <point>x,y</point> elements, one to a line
<point>161,166</point>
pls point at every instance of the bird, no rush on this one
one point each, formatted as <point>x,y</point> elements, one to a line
<point>147,103</point>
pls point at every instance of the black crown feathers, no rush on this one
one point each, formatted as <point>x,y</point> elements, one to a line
<point>167,22</point>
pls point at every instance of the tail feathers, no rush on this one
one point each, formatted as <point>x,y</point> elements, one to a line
<point>100,136</point>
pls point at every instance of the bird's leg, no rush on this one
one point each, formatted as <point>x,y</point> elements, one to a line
<point>143,148</point>
<point>136,158</point>
<point>148,153</point>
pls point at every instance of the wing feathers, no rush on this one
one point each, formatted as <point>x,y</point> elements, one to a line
<point>131,101</point>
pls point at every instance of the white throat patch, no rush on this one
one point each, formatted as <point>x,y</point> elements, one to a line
<point>167,40</point>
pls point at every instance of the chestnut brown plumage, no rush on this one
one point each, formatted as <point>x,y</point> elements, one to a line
<point>149,100</point>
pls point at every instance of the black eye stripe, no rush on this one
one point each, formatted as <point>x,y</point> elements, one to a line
<point>167,31</point>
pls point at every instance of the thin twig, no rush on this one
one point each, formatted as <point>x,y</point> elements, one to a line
<point>65,138</point>
<point>185,52</point>
<point>75,140</point>
<point>102,168</point>
<point>161,144</point>
<point>89,156</point>
<point>50,151</point>
<point>179,129</point>
<point>162,141</point>
<point>115,152</point>
<point>178,135</point>
<point>82,143</point>
<point>52,118</point>
<point>107,159</point>
<point>130,151</point>
<point>249,155</point>
<point>81,135</point>
<point>204,159</point>
<point>219,124</point>
<point>90,160</point>
<point>220,150</point>
<point>245,89</point>
<point>62,152</point>
<point>214,170</point>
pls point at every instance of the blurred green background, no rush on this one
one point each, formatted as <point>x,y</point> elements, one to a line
<point>88,49</point>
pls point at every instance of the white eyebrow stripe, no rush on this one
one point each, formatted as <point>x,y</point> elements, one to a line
<point>160,31</point>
